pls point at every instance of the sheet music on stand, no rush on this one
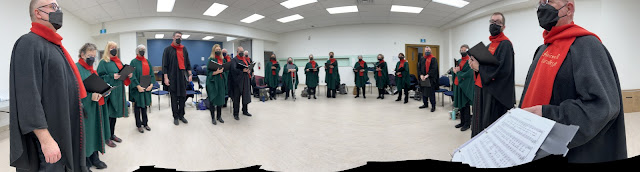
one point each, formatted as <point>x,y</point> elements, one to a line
<point>514,139</point>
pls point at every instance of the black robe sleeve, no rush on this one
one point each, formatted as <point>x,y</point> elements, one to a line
<point>166,63</point>
<point>499,80</point>
<point>586,92</point>
<point>187,62</point>
<point>434,72</point>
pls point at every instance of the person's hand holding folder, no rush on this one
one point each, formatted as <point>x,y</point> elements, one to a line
<point>149,88</point>
<point>116,76</point>
<point>96,97</point>
<point>140,88</point>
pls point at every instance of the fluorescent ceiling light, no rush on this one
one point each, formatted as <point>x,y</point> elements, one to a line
<point>252,18</point>
<point>159,36</point>
<point>455,3</point>
<point>344,9</point>
<point>230,38</point>
<point>290,18</point>
<point>215,9</point>
<point>207,38</point>
<point>405,9</point>
<point>296,3</point>
<point>165,5</point>
<point>185,36</point>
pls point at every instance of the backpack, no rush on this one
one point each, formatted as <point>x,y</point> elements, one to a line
<point>264,94</point>
<point>305,92</point>
<point>343,89</point>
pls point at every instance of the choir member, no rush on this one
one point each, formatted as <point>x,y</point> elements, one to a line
<point>176,68</point>
<point>216,85</point>
<point>361,76</point>
<point>381,75</point>
<point>289,78</point>
<point>141,96</point>
<point>403,80</point>
<point>116,102</point>
<point>463,89</point>
<point>240,81</point>
<point>428,70</point>
<point>272,77</point>
<point>332,76</point>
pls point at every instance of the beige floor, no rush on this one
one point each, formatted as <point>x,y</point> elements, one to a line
<point>305,135</point>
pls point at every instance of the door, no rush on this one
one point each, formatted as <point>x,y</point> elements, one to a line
<point>412,59</point>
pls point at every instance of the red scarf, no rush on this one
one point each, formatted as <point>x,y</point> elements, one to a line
<point>118,63</point>
<point>427,63</point>
<point>401,65</point>
<point>362,66</point>
<point>145,65</point>
<point>246,61</point>
<point>180,55</point>
<point>461,65</point>
<point>559,40</point>
<point>90,69</point>
<point>332,60</point>
<point>228,58</point>
<point>273,71</point>
<point>380,72</point>
<point>55,38</point>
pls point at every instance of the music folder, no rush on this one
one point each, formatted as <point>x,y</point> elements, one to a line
<point>214,65</point>
<point>95,84</point>
<point>481,53</point>
<point>243,66</point>
<point>125,71</point>
<point>277,65</point>
<point>145,81</point>
<point>425,83</point>
<point>400,69</point>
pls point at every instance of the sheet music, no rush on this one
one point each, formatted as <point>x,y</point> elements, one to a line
<point>512,140</point>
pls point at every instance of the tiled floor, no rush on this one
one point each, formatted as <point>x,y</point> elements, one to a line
<point>305,135</point>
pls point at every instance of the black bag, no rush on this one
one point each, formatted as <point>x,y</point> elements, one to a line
<point>342,89</point>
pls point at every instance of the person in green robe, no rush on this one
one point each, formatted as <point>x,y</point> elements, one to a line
<point>116,104</point>
<point>332,76</point>
<point>312,79</point>
<point>381,75</point>
<point>271,77</point>
<point>290,78</point>
<point>96,121</point>
<point>216,85</point>
<point>361,76</point>
<point>402,78</point>
<point>463,89</point>
<point>141,95</point>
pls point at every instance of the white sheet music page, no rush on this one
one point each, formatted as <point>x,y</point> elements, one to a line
<point>512,140</point>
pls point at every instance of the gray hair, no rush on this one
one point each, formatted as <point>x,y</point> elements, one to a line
<point>359,56</point>
<point>141,47</point>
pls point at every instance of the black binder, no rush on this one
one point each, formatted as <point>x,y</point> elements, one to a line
<point>95,84</point>
<point>241,65</point>
<point>125,71</point>
<point>400,69</point>
<point>214,65</point>
<point>425,83</point>
<point>145,81</point>
<point>481,53</point>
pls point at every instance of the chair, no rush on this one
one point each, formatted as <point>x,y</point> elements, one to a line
<point>191,92</point>
<point>370,86</point>
<point>448,93</point>
<point>444,81</point>
<point>158,92</point>
<point>202,82</point>
<point>392,84</point>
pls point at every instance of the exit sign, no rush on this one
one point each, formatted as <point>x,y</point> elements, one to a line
<point>423,40</point>
<point>103,31</point>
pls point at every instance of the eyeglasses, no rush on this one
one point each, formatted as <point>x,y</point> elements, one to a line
<point>498,22</point>
<point>53,6</point>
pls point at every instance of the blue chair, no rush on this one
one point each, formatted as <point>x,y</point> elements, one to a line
<point>448,93</point>
<point>444,82</point>
<point>191,92</point>
<point>370,86</point>
<point>158,92</point>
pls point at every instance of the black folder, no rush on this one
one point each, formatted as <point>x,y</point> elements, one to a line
<point>145,81</point>
<point>244,66</point>
<point>425,83</point>
<point>95,84</point>
<point>380,65</point>
<point>214,65</point>
<point>277,65</point>
<point>481,53</point>
<point>125,71</point>
<point>400,69</point>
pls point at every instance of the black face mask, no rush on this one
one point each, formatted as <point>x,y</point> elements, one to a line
<point>330,56</point>
<point>113,52</point>
<point>218,53</point>
<point>401,57</point>
<point>240,54</point>
<point>463,54</point>
<point>379,59</point>
<point>548,16</point>
<point>290,62</point>
<point>141,53</point>
<point>90,60</point>
<point>427,53</point>
<point>224,54</point>
<point>311,58</point>
<point>246,55</point>
<point>55,18</point>
<point>178,41</point>
<point>359,60</point>
<point>495,29</point>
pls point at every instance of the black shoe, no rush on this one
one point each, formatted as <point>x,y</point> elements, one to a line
<point>433,109</point>
<point>285,98</point>
<point>464,128</point>
<point>99,165</point>
<point>213,120</point>
<point>147,128</point>
<point>225,105</point>
<point>459,125</point>
<point>397,100</point>
<point>364,97</point>
<point>423,106</point>
<point>184,120</point>
<point>309,97</point>
<point>175,122</point>
<point>314,97</point>
<point>220,120</point>
<point>236,117</point>
<point>246,113</point>
<point>378,97</point>
<point>356,96</point>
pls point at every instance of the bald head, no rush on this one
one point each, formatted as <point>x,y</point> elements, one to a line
<point>240,49</point>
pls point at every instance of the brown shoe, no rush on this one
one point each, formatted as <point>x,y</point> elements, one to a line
<point>147,127</point>
<point>140,130</point>
<point>115,138</point>
<point>111,144</point>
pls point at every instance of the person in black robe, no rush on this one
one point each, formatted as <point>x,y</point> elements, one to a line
<point>432,75</point>
<point>585,90</point>
<point>497,81</point>
<point>45,90</point>
<point>240,83</point>
<point>177,75</point>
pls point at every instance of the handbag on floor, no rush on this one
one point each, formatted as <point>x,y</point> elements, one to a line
<point>305,92</point>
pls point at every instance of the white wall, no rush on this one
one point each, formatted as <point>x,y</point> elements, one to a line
<point>257,55</point>
<point>611,21</point>
<point>75,33</point>
<point>367,39</point>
